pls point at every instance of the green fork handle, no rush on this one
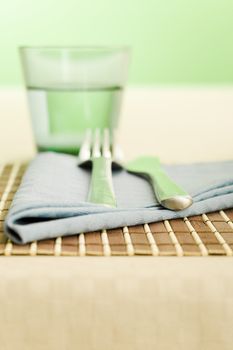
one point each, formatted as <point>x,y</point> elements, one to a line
<point>101,186</point>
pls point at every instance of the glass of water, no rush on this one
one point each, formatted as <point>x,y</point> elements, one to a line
<point>71,89</point>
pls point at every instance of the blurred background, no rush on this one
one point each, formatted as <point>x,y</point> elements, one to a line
<point>179,100</point>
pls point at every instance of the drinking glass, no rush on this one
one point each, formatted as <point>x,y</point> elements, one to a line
<point>71,89</point>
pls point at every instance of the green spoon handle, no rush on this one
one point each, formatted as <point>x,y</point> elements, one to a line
<point>101,186</point>
<point>169,194</point>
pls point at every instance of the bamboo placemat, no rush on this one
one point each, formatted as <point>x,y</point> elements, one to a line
<point>203,235</point>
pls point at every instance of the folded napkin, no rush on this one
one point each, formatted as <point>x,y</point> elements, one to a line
<point>51,200</point>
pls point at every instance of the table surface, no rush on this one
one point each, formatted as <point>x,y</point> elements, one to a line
<point>116,303</point>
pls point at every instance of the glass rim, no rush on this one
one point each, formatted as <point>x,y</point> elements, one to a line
<point>77,48</point>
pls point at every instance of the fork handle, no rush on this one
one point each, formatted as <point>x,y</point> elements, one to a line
<point>101,186</point>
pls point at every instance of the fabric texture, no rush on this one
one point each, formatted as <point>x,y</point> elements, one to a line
<point>51,200</point>
<point>119,303</point>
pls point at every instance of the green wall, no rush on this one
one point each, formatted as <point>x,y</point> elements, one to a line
<point>173,41</point>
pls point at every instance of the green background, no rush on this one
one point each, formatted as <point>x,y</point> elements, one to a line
<point>173,41</point>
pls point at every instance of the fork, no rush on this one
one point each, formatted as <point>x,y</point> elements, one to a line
<point>95,151</point>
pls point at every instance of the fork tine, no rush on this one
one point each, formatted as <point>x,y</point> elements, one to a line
<point>117,153</point>
<point>85,150</point>
<point>96,149</point>
<point>106,144</point>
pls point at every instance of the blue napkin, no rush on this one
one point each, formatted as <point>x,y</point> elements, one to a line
<point>51,200</point>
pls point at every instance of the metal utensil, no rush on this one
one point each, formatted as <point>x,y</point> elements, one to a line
<point>95,151</point>
<point>169,194</point>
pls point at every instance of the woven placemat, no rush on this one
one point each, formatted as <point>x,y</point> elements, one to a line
<point>202,235</point>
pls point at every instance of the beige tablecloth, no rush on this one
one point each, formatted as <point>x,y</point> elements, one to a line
<point>120,303</point>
